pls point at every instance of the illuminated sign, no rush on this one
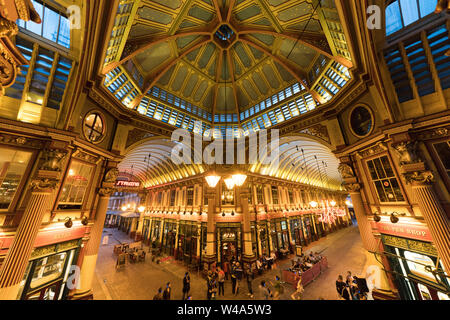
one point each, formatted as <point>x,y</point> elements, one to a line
<point>135,184</point>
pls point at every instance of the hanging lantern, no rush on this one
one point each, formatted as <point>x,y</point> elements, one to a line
<point>229,182</point>
<point>239,179</point>
<point>212,180</point>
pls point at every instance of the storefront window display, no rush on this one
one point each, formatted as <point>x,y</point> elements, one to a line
<point>264,239</point>
<point>168,241</point>
<point>229,242</point>
<point>75,186</point>
<point>280,235</point>
<point>46,277</point>
<point>412,262</point>
<point>187,242</point>
<point>13,165</point>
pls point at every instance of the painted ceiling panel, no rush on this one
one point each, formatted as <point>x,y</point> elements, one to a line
<point>155,15</point>
<point>201,91</point>
<point>206,56</point>
<point>192,82</point>
<point>249,89</point>
<point>172,4</point>
<point>166,77</point>
<point>154,57</point>
<point>260,84</point>
<point>248,12</point>
<point>201,13</point>
<point>179,78</point>
<point>140,30</point>
<point>225,100</point>
<point>269,73</point>
<point>299,10</point>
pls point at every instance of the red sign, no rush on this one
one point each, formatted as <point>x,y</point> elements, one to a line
<point>404,230</point>
<point>134,184</point>
<point>48,237</point>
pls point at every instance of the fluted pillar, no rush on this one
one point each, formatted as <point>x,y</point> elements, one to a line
<point>92,247</point>
<point>435,216</point>
<point>248,256</point>
<point>18,256</point>
<point>210,256</point>
<point>365,230</point>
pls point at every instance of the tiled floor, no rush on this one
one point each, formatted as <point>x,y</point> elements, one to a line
<point>140,281</point>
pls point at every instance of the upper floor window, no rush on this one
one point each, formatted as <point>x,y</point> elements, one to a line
<point>274,195</point>
<point>401,13</point>
<point>190,196</point>
<point>55,25</point>
<point>385,181</point>
<point>259,194</point>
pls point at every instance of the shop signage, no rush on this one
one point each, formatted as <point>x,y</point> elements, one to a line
<point>48,237</point>
<point>128,184</point>
<point>408,244</point>
<point>404,230</point>
<point>228,236</point>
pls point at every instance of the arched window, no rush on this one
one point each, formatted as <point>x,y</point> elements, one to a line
<point>401,13</point>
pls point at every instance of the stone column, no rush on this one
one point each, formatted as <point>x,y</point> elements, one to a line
<point>176,239</point>
<point>210,257</point>
<point>365,230</point>
<point>91,251</point>
<point>17,258</point>
<point>435,216</point>
<point>248,256</point>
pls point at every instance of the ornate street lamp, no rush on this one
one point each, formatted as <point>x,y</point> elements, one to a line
<point>212,180</point>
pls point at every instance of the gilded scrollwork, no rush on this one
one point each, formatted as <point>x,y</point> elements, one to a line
<point>111,175</point>
<point>105,192</point>
<point>425,176</point>
<point>43,184</point>
<point>352,187</point>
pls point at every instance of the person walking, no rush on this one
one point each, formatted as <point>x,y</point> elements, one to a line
<point>342,288</point>
<point>210,284</point>
<point>167,292</point>
<point>250,276</point>
<point>186,285</point>
<point>300,289</point>
<point>278,288</point>
<point>221,280</point>
<point>233,279</point>
<point>264,291</point>
<point>239,275</point>
<point>158,295</point>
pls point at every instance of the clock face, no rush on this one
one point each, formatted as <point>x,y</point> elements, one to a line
<point>361,121</point>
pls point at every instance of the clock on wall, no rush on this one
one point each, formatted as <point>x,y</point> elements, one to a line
<point>361,121</point>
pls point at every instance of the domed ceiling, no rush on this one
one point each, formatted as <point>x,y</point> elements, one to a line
<point>226,55</point>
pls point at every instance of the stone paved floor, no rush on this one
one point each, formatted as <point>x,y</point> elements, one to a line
<point>140,281</point>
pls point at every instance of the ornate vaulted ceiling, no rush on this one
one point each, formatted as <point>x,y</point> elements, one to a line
<point>224,56</point>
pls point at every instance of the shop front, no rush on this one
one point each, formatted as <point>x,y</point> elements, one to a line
<point>417,269</point>
<point>169,235</point>
<point>229,242</point>
<point>155,230</point>
<point>264,238</point>
<point>48,271</point>
<point>187,242</point>
<point>297,233</point>
<point>146,231</point>
<point>414,262</point>
<point>308,229</point>
<point>279,234</point>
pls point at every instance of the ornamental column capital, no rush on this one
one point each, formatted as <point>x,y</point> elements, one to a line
<point>352,187</point>
<point>419,177</point>
<point>44,184</point>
